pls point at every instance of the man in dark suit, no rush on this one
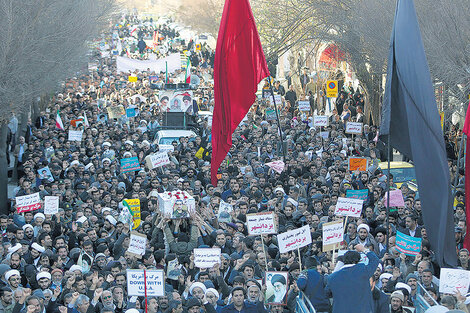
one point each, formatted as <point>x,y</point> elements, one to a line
<point>412,229</point>
<point>353,276</point>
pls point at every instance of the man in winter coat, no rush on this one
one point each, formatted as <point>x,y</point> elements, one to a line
<point>353,276</point>
<point>313,285</point>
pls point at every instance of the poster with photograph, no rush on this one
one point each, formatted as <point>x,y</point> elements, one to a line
<point>176,101</point>
<point>276,287</point>
<point>223,215</point>
<point>45,174</point>
<point>176,204</point>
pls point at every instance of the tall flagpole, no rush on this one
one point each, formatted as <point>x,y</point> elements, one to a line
<point>456,181</point>
<point>277,118</point>
<point>387,221</point>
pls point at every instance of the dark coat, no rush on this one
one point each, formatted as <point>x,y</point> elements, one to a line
<point>313,285</point>
<point>353,278</point>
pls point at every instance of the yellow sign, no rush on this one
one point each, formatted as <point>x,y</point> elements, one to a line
<point>198,47</point>
<point>132,79</point>
<point>332,88</point>
<point>442,116</point>
<point>134,205</point>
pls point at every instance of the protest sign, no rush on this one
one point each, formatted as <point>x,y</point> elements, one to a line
<point>294,239</point>
<point>170,63</point>
<point>325,134</point>
<point>332,235</point>
<point>137,243</point>
<point>177,204</point>
<point>133,205</point>
<point>407,244</point>
<point>304,106</point>
<point>152,285</point>
<point>206,257</point>
<point>28,203</point>
<point>357,194</point>
<point>115,111</point>
<point>348,207</point>
<point>166,148</point>
<point>176,101</point>
<point>269,96</point>
<point>173,270</point>
<point>270,115</point>
<point>131,112</point>
<point>51,205</point>
<point>357,164</point>
<point>223,215</point>
<point>157,159</point>
<point>45,174</point>
<point>261,223</point>
<point>452,280</point>
<point>132,79</point>
<point>277,166</point>
<point>353,128</point>
<point>130,165</point>
<point>320,120</point>
<point>396,199</point>
<point>76,122</point>
<point>276,288</point>
<point>75,135</point>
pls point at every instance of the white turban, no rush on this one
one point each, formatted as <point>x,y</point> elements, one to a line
<point>36,246</point>
<point>196,285</point>
<point>43,275</point>
<point>11,273</point>
<point>365,226</point>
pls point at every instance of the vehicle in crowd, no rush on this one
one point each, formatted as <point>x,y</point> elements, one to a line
<point>403,172</point>
<point>164,138</point>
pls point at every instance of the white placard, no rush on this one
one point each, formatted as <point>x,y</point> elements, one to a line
<point>353,128</point>
<point>137,243</point>
<point>325,134</point>
<point>166,148</point>
<point>261,223</point>
<point>320,120</point>
<point>159,159</point>
<point>154,283</point>
<point>277,166</point>
<point>294,239</point>
<point>75,135</point>
<point>304,106</point>
<point>51,205</point>
<point>206,257</point>
<point>348,207</point>
<point>332,233</point>
<point>28,202</point>
<point>452,280</point>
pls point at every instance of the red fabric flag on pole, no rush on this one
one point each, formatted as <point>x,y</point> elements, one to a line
<point>238,68</point>
<point>466,130</point>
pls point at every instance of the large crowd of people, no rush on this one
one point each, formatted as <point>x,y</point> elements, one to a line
<point>76,259</point>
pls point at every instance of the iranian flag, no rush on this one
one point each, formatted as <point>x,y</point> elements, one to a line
<point>58,121</point>
<point>188,72</point>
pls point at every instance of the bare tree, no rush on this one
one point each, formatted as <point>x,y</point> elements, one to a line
<point>202,15</point>
<point>41,43</point>
<point>362,29</point>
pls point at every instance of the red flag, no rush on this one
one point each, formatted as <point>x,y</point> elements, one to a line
<point>238,68</point>
<point>466,130</point>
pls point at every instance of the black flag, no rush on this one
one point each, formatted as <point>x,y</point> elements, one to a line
<point>411,118</point>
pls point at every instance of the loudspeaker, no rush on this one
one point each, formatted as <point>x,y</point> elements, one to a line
<point>183,86</point>
<point>178,119</point>
<point>173,119</point>
<point>170,86</point>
